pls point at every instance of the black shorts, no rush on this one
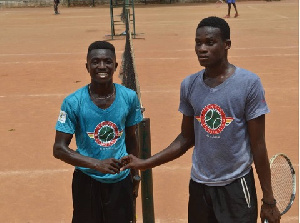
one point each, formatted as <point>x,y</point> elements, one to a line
<point>235,202</point>
<point>96,202</point>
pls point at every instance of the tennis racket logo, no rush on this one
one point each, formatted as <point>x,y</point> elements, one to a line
<point>213,119</point>
<point>106,134</point>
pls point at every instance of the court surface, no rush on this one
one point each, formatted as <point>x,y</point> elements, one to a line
<point>42,59</point>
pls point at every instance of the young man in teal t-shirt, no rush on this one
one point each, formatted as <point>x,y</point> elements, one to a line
<point>103,117</point>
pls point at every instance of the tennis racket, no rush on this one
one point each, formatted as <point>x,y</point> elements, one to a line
<point>283,179</point>
<point>219,3</point>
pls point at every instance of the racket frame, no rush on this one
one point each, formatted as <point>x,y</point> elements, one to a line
<point>293,195</point>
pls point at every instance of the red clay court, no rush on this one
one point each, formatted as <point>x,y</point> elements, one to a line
<point>42,60</point>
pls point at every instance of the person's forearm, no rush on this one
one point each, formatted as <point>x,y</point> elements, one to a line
<point>73,158</point>
<point>176,149</point>
<point>264,174</point>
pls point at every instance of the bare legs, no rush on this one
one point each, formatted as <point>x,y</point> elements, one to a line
<point>229,9</point>
<point>55,7</point>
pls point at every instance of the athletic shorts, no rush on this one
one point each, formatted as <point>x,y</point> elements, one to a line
<point>230,1</point>
<point>96,202</point>
<point>235,202</point>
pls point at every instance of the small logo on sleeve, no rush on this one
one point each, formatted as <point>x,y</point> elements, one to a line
<point>62,117</point>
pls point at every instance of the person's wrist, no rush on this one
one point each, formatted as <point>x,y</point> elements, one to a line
<point>136,178</point>
<point>271,203</point>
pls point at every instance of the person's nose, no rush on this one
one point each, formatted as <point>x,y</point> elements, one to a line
<point>101,65</point>
<point>201,48</point>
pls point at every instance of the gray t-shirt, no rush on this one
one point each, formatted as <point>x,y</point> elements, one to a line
<point>222,147</point>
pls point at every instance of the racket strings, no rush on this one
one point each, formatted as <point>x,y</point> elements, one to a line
<point>282,182</point>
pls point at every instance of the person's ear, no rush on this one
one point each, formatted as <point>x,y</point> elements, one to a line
<point>227,44</point>
<point>87,67</point>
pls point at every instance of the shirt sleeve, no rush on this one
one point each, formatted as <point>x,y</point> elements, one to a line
<point>135,114</point>
<point>185,106</point>
<point>256,104</point>
<point>67,118</point>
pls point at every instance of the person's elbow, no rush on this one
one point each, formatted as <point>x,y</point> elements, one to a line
<point>191,141</point>
<point>186,142</point>
<point>57,151</point>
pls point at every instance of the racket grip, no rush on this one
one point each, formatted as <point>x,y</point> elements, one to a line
<point>266,221</point>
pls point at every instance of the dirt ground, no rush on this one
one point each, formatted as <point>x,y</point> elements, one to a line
<point>42,59</point>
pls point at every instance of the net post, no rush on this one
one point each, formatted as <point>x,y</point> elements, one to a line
<point>133,18</point>
<point>146,176</point>
<point>112,25</point>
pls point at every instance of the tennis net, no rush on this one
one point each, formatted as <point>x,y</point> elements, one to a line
<point>128,74</point>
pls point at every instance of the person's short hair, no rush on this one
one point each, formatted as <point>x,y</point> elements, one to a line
<point>101,45</point>
<point>216,22</point>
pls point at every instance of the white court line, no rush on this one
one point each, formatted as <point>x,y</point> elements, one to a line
<point>263,55</point>
<point>37,54</point>
<point>178,50</point>
<point>255,8</point>
<point>37,173</point>
<point>36,62</point>
<point>143,92</point>
<point>54,171</point>
<point>33,95</point>
<point>32,172</point>
<point>157,58</point>
<point>288,218</point>
<point>65,94</point>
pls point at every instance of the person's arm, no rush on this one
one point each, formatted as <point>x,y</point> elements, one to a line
<point>62,151</point>
<point>256,129</point>
<point>184,141</point>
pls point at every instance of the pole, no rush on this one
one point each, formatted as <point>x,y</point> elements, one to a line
<point>147,181</point>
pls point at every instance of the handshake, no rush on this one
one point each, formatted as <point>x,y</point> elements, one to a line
<point>114,166</point>
<point>131,162</point>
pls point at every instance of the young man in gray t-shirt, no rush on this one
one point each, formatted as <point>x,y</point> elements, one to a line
<point>223,109</point>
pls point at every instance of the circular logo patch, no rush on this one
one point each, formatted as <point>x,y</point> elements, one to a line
<point>213,119</point>
<point>106,133</point>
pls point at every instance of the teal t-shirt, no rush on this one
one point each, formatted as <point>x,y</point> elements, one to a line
<point>100,133</point>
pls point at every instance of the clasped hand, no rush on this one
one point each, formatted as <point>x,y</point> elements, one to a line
<point>114,166</point>
<point>270,213</point>
<point>110,165</point>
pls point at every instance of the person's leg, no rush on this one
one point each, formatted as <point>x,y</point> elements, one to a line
<point>117,201</point>
<point>236,202</point>
<point>199,207</point>
<point>54,6</point>
<point>229,9</point>
<point>86,200</point>
<point>236,12</point>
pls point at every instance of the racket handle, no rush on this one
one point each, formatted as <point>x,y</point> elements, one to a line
<point>266,221</point>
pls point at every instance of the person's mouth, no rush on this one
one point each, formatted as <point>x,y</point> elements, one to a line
<point>202,57</point>
<point>102,75</point>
